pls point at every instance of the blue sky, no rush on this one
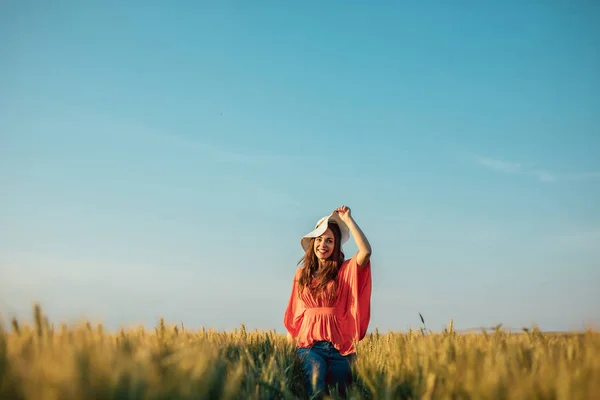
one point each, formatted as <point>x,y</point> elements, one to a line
<point>165,160</point>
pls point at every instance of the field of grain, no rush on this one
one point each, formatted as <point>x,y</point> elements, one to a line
<point>44,361</point>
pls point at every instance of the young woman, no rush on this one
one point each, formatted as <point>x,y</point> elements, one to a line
<point>330,305</point>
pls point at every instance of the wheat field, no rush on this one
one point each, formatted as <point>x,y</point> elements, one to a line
<point>43,361</point>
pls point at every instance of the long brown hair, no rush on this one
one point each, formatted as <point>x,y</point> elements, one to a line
<point>310,264</point>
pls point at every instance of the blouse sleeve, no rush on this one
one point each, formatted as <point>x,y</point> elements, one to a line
<point>360,296</point>
<point>294,312</point>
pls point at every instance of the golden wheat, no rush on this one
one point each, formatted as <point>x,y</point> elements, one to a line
<point>85,362</point>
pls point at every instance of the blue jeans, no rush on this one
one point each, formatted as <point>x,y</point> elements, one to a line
<point>322,366</point>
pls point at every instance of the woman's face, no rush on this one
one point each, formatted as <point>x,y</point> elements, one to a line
<point>324,245</point>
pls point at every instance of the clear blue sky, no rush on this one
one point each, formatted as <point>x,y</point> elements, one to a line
<point>165,160</point>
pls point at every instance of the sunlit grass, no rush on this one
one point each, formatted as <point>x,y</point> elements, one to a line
<point>43,361</point>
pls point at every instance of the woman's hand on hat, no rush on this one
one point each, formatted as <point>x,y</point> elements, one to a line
<point>344,213</point>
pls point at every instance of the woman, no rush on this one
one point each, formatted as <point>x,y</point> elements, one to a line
<point>329,308</point>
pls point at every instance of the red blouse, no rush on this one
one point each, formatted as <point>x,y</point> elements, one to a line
<point>342,320</point>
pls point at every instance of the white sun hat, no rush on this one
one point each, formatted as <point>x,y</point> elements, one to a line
<point>321,227</point>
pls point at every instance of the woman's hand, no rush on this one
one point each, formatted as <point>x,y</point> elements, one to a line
<point>344,213</point>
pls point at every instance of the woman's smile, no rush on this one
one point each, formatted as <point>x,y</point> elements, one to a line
<point>324,245</point>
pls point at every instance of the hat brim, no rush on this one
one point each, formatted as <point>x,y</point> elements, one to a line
<point>322,226</point>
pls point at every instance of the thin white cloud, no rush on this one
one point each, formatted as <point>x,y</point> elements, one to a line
<point>544,176</point>
<point>511,167</point>
<point>498,165</point>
